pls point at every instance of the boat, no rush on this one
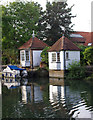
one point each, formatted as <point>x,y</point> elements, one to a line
<point>12,71</point>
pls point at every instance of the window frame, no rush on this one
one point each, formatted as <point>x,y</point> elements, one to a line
<point>22,55</point>
<point>57,57</point>
<point>67,55</point>
<point>54,58</point>
<point>27,55</point>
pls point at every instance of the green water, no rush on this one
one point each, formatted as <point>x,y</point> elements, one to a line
<point>41,98</point>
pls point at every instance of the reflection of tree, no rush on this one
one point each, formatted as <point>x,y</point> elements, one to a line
<point>10,100</point>
<point>85,90</point>
<point>45,91</point>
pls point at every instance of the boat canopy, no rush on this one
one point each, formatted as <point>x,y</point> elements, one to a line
<point>13,67</point>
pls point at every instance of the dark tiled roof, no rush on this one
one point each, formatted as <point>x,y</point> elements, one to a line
<point>64,44</point>
<point>78,40</point>
<point>34,43</point>
<point>87,35</point>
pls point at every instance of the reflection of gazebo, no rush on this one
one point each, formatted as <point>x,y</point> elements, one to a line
<point>35,96</point>
<point>57,95</point>
<point>32,92</point>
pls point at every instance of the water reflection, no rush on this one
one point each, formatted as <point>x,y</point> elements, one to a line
<point>57,98</point>
<point>11,83</point>
<point>0,99</point>
<point>0,87</point>
<point>72,99</point>
<point>77,96</point>
<point>31,93</point>
<point>56,90</point>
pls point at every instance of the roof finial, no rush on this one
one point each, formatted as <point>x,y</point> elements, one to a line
<point>33,35</point>
<point>63,33</point>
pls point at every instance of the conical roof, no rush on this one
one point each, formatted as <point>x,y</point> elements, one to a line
<point>33,43</point>
<point>63,44</point>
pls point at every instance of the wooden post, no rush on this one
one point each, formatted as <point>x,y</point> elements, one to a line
<point>31,58</point>
<point>32,92</point>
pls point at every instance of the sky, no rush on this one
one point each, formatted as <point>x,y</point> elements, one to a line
<point>82,10</point>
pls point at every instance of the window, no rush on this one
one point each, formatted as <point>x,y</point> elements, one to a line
<point>67,56</point>
<point>58,57</point>
<point>53,57</point>
<point>22,56</point>
<point>27,55</point>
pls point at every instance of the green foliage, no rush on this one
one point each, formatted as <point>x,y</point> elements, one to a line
<point>52,23</point>
<point>44,54</point>
<point>19,19</point>
<point>75,71</point>
<point>89,78</point>
<point>88,55</point>
<point>82,60</point>
<point>10,56</point>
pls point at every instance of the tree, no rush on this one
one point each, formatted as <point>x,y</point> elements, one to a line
<point>10,56</point>
<point>44,54</point>
<point>18,21</point>
<point>88,55</point>
<point>55,19</point>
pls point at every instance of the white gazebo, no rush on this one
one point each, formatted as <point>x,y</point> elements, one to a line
<point>61,54</point>
<point>30,52</point>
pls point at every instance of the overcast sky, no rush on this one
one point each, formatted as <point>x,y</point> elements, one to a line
<point>82,9</point>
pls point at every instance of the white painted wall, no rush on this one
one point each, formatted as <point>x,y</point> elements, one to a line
<point>62,59</point>
<point>22,62</point>
<point>55,65</point>
<point>25,63</point>
<point>36,57</point>
<point>73,56</point>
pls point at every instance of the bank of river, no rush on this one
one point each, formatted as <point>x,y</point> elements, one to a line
<point>41,98</point>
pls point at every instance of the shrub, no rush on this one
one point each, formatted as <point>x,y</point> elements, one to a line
<point>75,71</point>
<point>88,55</point>
<point>82,60</point>
<point>44,55</point>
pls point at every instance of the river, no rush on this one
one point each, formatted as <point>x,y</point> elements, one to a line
<point>47,98</point>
